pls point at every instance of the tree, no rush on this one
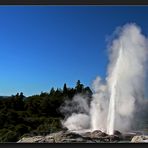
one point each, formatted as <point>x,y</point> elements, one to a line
<point>45,106</point>
<point>88,91</point>
<point>79,87</point>
<point>22,95</point>
<point>52,91</point>
<point>32,104</point>
<point>18,101</point>
<point>65,89</point>
<point>35,114</point>
<point>44,94</point>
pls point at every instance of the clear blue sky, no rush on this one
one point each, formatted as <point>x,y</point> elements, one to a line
<point>45,46</point>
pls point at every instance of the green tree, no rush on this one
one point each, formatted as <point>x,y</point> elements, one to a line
<point>79,87</point>
<point>44,94</point>
<point>88,91</point>
<point>21,129</point>
<point>19,102</point>
<point>52,91</point>
<point>22,95</point>
<point>10,136</point>
<point>65,89</point>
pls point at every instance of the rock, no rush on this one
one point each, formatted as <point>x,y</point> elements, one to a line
<point>114,138</point>
<point>140,139</point>
<point>71,137</point>
<point>118,133</point>
<point>103,134</point>
<point>128,136</point>
<point>64,137</point>
<point>65,129</point>
<point>49,139</point>
<point>87,134</point>
<point>97,134</point>
<point>60,136</point>
<point>73,140</point>
<point>35,139</point>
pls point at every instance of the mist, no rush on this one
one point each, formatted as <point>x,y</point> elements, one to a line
<point>116,100</point>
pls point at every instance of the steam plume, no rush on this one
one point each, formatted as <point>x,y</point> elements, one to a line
<point>76,113</point>
<point>126,76</point>
<point>115,100</point>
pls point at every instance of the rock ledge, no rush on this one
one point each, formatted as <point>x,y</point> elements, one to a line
<point>71,137</point>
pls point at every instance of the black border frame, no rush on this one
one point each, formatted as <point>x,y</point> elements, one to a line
<point>73,2</point>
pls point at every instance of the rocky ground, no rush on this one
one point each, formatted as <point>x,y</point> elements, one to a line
<point>140,139</point>
<point>87,137</point>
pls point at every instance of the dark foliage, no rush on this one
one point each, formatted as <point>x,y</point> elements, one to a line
<point>35,115</point>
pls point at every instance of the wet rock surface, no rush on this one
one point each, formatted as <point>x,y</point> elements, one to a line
<point>71,137</point>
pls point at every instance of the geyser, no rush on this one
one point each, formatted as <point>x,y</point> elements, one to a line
<point>126,76</point>
<point>114,100</point>
<point>111,112</point>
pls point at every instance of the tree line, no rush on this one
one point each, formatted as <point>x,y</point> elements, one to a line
<point>37,114</point>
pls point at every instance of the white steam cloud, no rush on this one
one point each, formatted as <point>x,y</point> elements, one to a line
<point>77,113</point>
<point>99,105</point>
<point>126,76</point>
<point>115,99</point>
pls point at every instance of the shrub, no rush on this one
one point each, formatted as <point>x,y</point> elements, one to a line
<point>9,136</point>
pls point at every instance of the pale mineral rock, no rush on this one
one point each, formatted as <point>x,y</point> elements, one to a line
<point>140,139</point>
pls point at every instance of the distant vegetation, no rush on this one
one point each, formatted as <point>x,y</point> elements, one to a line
<point>35,115</point>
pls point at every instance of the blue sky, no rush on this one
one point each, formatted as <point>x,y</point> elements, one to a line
<point>45,46</point>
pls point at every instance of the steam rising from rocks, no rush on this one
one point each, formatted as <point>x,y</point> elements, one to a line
<point>115,99</point>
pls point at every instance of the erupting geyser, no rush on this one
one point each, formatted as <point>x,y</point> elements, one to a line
<point>126,76</point>
<point>111,112</point>
<point>114,101</point>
